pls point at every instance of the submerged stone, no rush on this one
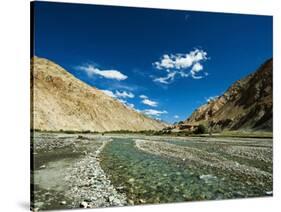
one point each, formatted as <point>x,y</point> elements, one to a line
<point>131,180</point>
<point>269,193</point>
<point>63,202</point>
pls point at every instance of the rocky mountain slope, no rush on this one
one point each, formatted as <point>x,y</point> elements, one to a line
<point>62,102</point>
<point>246,105</point>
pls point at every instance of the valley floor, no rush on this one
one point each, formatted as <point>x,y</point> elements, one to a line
<point>91,170</point>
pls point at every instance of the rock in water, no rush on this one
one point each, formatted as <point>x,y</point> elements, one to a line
<point>83,204</point>
<point>131,202</point>
<point>42,167</point>
<point>142,201</point>
<point>269,193</point>
<point>63,202</point>
<point>131,180</point>
<point>207,177</point>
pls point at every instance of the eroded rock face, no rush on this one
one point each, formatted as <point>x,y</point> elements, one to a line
<point>247,104</point>
<point>62,102</point>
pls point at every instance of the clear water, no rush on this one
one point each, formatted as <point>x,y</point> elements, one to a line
<point>148,178</point>
<point>219,148</point>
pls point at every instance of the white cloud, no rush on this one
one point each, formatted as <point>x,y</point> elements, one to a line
<point>166,80</point>
<point>124,102</point>
<point>130,105</point>
<point>211,98</point>
<point>176,117</point>
<point>166,62</point>
<point>152,112</point>
<point>124,94</point>
<point>184,65</point>
<point>109,74</point>
<point>197,67</point>
<point>149,102</point>
<point>143,96</point>
<point>119,94</point>
<point>109,93</point>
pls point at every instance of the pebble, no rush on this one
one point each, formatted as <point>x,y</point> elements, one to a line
<point>120,188</point>
<point>63,202</point>
<point>131,180</point>
<point>42,167</point>
<point>269,193</point>
<point>111,199</point>
<point>39,205</point>
<point>142,201</point>
<point>207,177</point>
<point>131,202</point>
<point>89,186</point>
<point>83,205</point>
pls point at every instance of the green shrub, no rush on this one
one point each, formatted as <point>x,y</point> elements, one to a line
<point>201,129</point>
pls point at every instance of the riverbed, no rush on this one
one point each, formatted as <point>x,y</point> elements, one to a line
<point>94,170</point>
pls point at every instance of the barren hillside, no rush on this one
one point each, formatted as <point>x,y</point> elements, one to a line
<point>62,102</point>
<point>246,105</point>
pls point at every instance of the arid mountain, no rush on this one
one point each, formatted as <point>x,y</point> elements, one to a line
<point>62,102</point>
<point>246,105</point>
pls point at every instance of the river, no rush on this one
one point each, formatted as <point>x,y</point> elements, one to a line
<point>147,169</point>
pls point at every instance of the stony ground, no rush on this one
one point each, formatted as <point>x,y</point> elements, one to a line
<point>248,159</point>
<point>67,173</point>
<point>136,169</point>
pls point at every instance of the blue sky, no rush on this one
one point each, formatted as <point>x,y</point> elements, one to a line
<point>164,63</point>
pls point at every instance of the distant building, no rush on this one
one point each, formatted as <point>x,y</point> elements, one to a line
<point>188,127</point>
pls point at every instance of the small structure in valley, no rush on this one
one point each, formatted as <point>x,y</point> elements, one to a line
<point>188,127</point>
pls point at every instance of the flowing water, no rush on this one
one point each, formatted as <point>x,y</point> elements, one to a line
<point>148,178</point>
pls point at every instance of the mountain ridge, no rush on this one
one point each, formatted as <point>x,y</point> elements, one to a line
<point>62,102</point>
<point>245,105</point>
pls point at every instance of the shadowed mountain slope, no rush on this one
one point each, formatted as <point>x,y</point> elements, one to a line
<point>246,105</point>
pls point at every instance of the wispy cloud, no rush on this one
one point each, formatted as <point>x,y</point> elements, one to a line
<point>147,101</point>
<point>182,65</point>
<point>143,96</point>
<point>119,94</point>
<point>121,85</point>
<point>130,105</point>
<point>166,80</point>
<point>124,94</point>
<point>109,93</point>
<point>109,74</point>
<point>152,112</point>
<point>176,117</point>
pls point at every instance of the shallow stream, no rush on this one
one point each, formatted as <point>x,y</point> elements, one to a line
<point>148,178</point>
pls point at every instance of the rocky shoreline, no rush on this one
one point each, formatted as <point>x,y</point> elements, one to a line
<point>80,181</point>
<point>90,187</point>
<point>197,157</point>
